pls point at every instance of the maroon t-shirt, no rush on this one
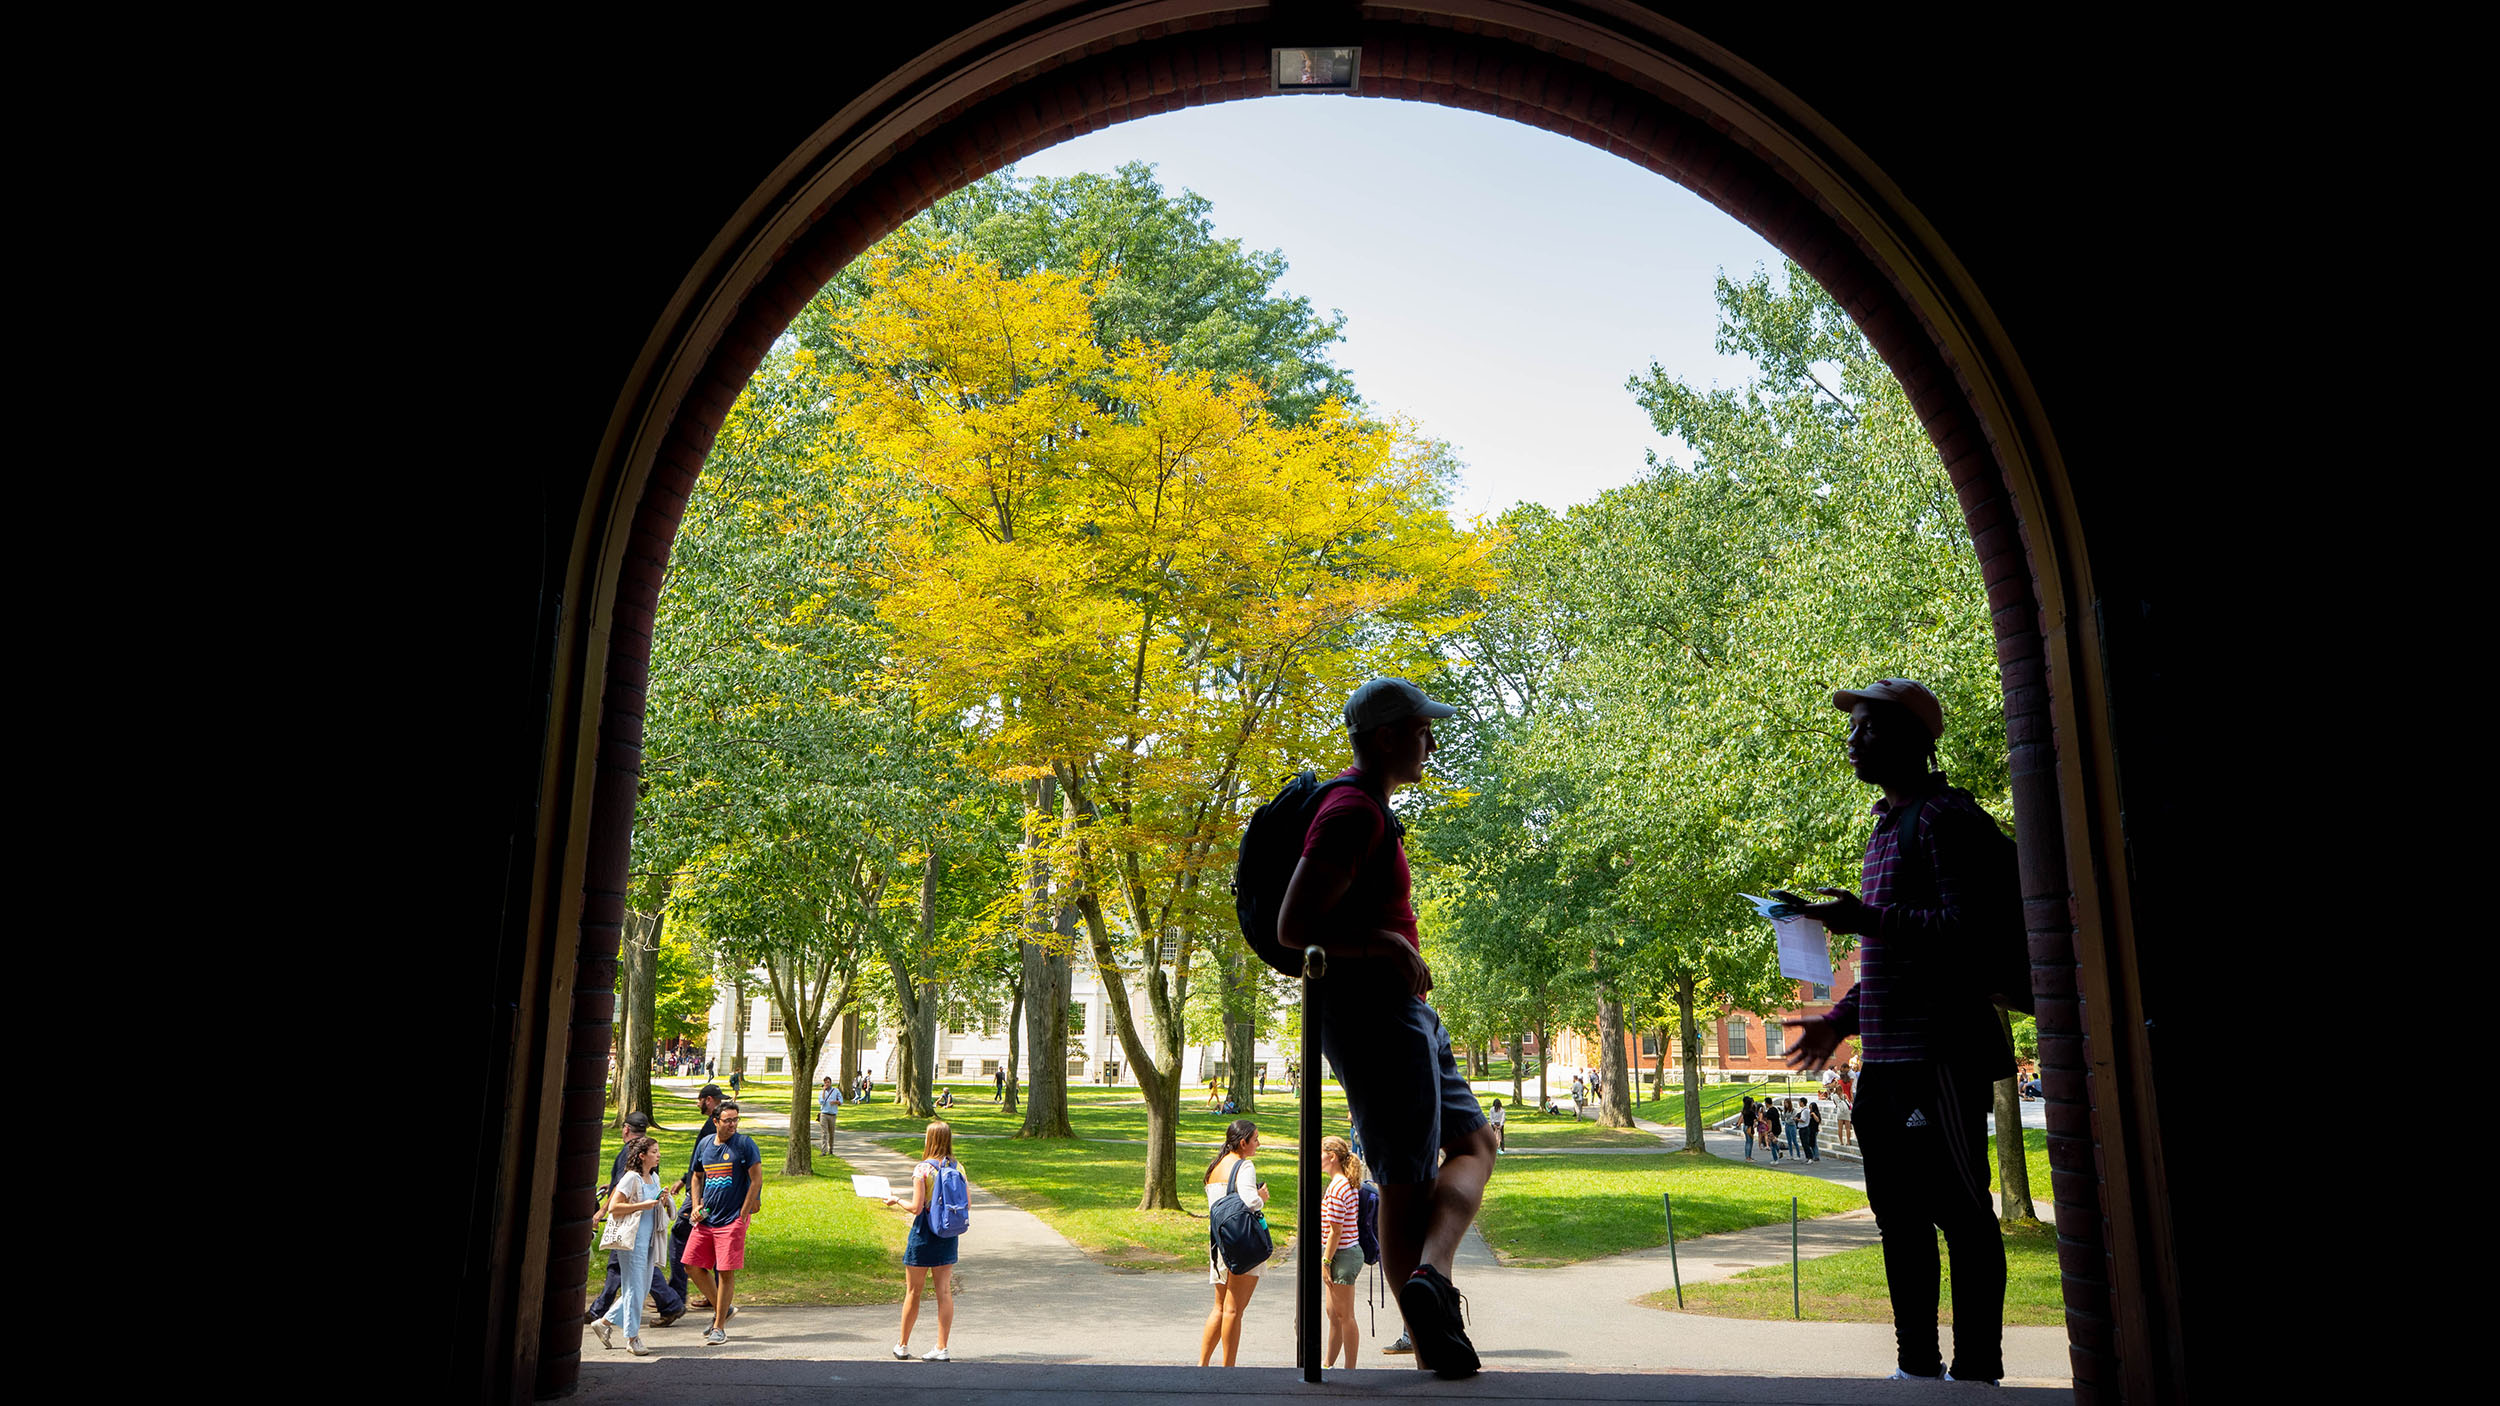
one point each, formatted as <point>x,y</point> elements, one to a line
<point>1351,832</point>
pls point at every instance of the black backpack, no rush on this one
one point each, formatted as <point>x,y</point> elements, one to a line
<point>1367,1222</point>
<point>1239,1233</point>
<point>1271,844</point>
<point>2006,948</point>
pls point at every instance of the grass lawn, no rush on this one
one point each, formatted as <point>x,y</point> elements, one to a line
<point>1529,1128</point>
<point>812,1241</point>
<point>1849,1287</point>
<point>1561,1210</point>
<point>2035,1158</point>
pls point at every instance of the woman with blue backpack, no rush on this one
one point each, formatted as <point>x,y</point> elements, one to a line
<point>1237,1238</point>
<point>940,1212</point>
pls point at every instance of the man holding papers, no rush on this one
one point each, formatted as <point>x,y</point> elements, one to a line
<point>1930,1039</point>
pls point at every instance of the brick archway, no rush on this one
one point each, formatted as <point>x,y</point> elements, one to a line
<point>1630,84</point>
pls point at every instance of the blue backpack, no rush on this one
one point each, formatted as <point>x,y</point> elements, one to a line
<point>1367,1223</point>
<point>950,1200</point>
<point>1240,1234</point>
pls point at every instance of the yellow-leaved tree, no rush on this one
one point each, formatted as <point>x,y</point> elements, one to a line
<point>1149,595</point>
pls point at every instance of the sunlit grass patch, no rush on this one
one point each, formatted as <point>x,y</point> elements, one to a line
<point>1560,1210</point>
<point>1850,1288</point>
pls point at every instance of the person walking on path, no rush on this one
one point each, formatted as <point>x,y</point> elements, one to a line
<point>828,1109</point>
<point>728,1164</point>
<point>1808,1126</point>
<point>998,1085</point>
<point>709,1099</point>
<point>631,1224</point>
<point>1789,1118</point>
<point>1930,1037</point>
<point>1746,1130</point>
<point>1501,1127</point>
<point>1341,1247</point>
<point>672,1299</point>
<point>1233,1287</point>
<point>1419,1123</point>
<point>737,1082</point>
<point>925,1252</point>
<point>1771,1129</point>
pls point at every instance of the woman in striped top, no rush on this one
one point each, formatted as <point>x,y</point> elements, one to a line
<point>1341,1249</point>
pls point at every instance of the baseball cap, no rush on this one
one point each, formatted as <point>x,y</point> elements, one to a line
<point>710,1091</point>
<point>1384,701</point>
<point>1901,693</point>
<point>638,1120</point>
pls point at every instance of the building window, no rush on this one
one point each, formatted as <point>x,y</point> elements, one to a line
<point>955,1026</point>
<point>955,1066</point>
<point>1076,1017</point>
<point>1076,1066</point>
<point>746,1019</point>
<point>1817,991</point>
<point>772,1021</point>
<point>1736,1039</point>
<point>1649,1045</point>
<point>989,1068</point>
<point>772,1064</point>
<point>1774,1040</point>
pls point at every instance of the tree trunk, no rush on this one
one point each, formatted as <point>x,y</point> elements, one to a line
<point>1692,1062</point>
<point>1518,1065</point>
<point>1543,1099</point>
<point>1614,1090</point>
<point>851,1053</point>
<point>1015,1021</point>
<point>805,1050</point>
<point>1658,1071</point>
<point>737,1027</point>
<point>641,966</point>
<point>2013,1169</point>
<point>1045,982</point>
<point>1241,1029</point>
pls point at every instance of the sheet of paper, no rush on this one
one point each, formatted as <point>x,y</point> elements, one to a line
<point>877,1187</point>
<point>1805,952</point>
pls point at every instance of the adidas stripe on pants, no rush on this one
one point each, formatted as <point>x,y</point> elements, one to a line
<point>1924,1133</point>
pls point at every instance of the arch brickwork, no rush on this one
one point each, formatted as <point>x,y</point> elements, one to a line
<point>1013,93</point>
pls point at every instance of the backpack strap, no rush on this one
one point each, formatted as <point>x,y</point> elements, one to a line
<point>1232,1179</point>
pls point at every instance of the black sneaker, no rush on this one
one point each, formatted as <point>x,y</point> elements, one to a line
<point>1433,1309</point>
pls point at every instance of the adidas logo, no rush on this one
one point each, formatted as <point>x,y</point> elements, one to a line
<point>1918,1119</point>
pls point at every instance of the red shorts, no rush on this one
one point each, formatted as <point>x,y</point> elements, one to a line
<point>725,1248</point>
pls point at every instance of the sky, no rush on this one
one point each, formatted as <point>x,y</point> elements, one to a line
<point>1499,282</point>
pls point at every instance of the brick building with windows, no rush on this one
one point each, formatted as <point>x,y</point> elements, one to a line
<point>1739,1047</point>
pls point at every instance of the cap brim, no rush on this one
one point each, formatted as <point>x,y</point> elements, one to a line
<point>1847,698</point>
<point>1435,709</point>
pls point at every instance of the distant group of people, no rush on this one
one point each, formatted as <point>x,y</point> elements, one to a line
<point>1424,1149</point>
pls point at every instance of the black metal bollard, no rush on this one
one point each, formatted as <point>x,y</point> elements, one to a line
<point>1796,1297</point>
<point>1672,1264</point>
<point>1307,1268</point>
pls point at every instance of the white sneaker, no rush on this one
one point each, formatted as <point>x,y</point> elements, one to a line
<point>634,1346</point>
<point>605,1330</point>
<point>1898,1375</point>
<point>902,1353</point>
<point>936,1354</point>
<point>1974,1381</point>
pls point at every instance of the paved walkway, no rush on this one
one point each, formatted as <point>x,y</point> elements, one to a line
<point>1029,1299</point>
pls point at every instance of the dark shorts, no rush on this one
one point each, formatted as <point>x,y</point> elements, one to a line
<point>1401,1079</point>
<point>922,1250</point>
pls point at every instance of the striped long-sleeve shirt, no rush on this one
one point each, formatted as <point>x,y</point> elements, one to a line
<point>1914,999</point>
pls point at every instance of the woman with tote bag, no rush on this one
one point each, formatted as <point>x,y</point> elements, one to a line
<point>630,1233</point>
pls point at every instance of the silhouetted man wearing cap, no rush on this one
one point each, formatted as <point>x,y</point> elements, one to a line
<point>1416,1120</point>
<point>1931,1044</point>
<point>671,1299</point>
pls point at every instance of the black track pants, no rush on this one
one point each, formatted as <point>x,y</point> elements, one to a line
<point>1924,1133</point>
